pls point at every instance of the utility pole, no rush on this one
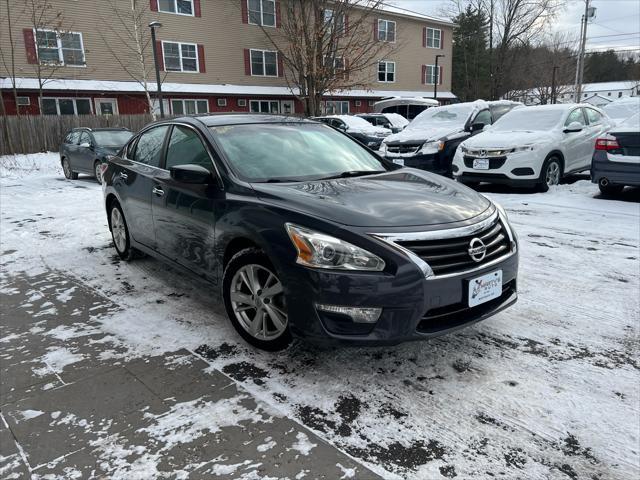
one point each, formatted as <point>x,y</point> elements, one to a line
<point>588,13</point>
<point>153,26</point>
<point>553,84</point>
<point>491,49</point>
<point>437,78</point>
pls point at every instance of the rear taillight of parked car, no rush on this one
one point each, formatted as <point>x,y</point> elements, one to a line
<point>607,143</point>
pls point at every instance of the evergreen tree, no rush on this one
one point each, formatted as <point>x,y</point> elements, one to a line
<point>470,76</point>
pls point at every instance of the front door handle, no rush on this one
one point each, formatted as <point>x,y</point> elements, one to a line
<point>158,191</point>
<point>123,175</point>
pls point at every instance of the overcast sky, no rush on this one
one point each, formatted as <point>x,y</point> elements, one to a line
<point>613,19</point>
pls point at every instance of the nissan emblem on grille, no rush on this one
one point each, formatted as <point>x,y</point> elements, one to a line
<point>477,249</point>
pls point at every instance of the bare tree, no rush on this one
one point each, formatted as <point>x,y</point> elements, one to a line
<point>328,46</point>
<point>8,59</point>
<point>128,25</point>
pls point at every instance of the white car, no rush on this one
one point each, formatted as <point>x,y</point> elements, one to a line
<point>532,146</point>
<point>623,108</point>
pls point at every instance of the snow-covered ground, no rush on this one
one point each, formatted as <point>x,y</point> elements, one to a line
<point>549,388</point>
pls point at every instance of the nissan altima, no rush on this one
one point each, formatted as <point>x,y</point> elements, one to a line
<point>307,233</point>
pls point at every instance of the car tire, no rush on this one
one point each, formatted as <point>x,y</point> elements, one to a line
<point>120,233</point>
<point>610,188</point>
<point>97,171</point>
<point>551,174</point>
<point>255,301</point>
<point>66,169</point>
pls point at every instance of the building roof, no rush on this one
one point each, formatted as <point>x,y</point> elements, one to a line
<point>597,96</point>
<point>197,89</point>
<point>395,10</point>
<point>606,86</point>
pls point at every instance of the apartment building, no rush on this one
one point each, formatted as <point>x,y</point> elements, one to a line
<point>213,56</point>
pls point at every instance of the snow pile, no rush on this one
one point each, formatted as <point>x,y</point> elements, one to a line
<point>16,166</point>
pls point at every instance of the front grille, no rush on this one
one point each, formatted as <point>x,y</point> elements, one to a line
<point>451,255</point>
<point>406,148</point>
<point>494,162</point>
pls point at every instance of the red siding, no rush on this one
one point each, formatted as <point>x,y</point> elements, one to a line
<point>132,104</point>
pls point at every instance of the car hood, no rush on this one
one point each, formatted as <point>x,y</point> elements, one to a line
<point>426,134</point>
<point>508,139</point>
<point>404,197</point>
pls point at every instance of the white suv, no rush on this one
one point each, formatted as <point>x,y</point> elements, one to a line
<point>532,146</point>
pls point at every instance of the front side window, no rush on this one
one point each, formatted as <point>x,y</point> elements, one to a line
<point>575,116</point>
<point>149,147</point>
<point>189,107</point>
<point>386,30</point>
<point>264,106</point>
<point>386,72</point>
<point>594,117</point>
<point>295,151</point>
<point>60,48</point>
<point>66,106</point>
<point>262,12</point>
<point>264,63</point>
<point>433,39</point>
<point>180,57</point>
<point>185,147</point>
<point>483,117</point>
<point>181,7</point>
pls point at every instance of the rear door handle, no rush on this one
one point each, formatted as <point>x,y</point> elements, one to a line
<point>158,191</point>
<point>123,175</point>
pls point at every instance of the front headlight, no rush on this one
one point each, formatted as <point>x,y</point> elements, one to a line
<point>319,250</point>
<point>524,148</point>
<point>383,148</point>
<point>432,147</point>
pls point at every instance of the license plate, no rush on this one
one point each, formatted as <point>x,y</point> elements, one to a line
<point>481,164</point>
<point>485,288</point>
<point>399,161</point>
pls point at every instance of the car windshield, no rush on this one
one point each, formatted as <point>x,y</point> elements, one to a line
<point>450,114</point>
<point>528,119</point>
<point>292,152</point>
<point>115,138</point>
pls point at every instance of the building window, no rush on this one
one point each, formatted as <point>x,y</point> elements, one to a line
<point>180,57</point>
<point>264,63</point>
<point>262,12</point>
<point>242,102</point>
<point>357,103</point>
<point>619,94</point>
<point>60,48</point>
<point>222,102</point>
<point>189,107</point>
<point>336,107</point>
<point>23,101</point>
<point>66,106</point>
<point>180,7</point>
<point>433,38</point>
<point>333,21</point>
<point>431,75</point>
<point>608,94</point>
<point>372,103</point>
<point>264,106</point>
<point>386,72</point>
<point>336,64</point>
<point>387,30</point>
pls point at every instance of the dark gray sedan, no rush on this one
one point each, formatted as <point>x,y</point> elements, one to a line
<point>84,150</point>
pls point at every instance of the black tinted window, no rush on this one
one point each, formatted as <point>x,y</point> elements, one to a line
<point>186,147</point>
<point>85,138</point>
<point>73,138</point>
<point>499,110</point>
<point>483,117</point>
<point>149,147</point>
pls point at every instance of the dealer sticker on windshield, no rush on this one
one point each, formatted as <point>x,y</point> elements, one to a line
<point>481,164</point>
<point>485,288</point>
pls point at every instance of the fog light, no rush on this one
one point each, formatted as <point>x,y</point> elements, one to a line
<point>357,314</point>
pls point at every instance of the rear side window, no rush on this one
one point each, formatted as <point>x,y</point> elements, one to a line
<point>149,147</point>
<point>72,138</point>
<point>185,147</point>
<point>84,138</point>
<point>594,117</point>
<point>575,116</point>
<point>483,117</point>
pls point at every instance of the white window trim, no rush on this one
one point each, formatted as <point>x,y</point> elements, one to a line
<point>184,110</point>
<point>97,102</point>
<point>342,102</point>
<point>426,38</point>
<point>333,19</point>
<point>23,104</point>
<point>59,42</point>
<point>241,102</point>
<point>263,100</point>
<point>275,15</point>
<point>175,3</point>
<point>264,69</point>
<point>75,105</point>
<point>221,102</point>
<point>385,71</point>
<point>182,70</point>
<point>395,30</point>
<point>435,74</point>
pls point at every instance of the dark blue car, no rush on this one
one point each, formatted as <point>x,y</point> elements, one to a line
<point>307,233</point>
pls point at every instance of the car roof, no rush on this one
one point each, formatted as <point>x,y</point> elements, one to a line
<point>214,120</point>
<point>101,129</point>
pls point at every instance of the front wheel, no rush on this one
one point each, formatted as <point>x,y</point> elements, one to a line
<point>97,169</point>
<point>550,175</point>
<point>68,173</point>
<point>255,301</point>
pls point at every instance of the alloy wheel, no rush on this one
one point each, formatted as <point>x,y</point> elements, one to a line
<point>118,230</point>
<point>553,173</point>
<point>98,172</point>
<point>257,299</point>
<point>66,169</point>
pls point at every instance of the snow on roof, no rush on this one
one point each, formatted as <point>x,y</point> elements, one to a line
<point>394,9</point>
<point>194,88</point>
<point>606,86</point>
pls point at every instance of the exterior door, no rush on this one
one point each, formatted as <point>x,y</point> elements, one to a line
<point>84,157</point>
<point>72,147</point>
<point>106,106</point>
<point>576,143</point>
<point>287,107</point>
<point>183,214</point>
<point>134,183</point>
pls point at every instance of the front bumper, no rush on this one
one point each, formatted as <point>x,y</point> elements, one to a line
<point>517,169</point>
<point>434,162</point>
<point>413,307</point>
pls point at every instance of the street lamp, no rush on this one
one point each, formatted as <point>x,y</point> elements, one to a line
<point>437,78</point>
<point>153,26</point>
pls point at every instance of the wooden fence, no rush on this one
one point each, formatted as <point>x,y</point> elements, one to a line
<point>32,134</point>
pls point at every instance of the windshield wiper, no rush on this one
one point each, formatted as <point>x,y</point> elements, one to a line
<point>353,173</point>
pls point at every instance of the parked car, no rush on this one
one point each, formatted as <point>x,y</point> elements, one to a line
<point>408,107</point>
<point>392,121</point>
<point>616,159</point>
<point>307,233</point>
<point>623,108</point>
<point>357,128</point>
<point>83,150</point>
<point>429,142</point>
<point>532,146</point>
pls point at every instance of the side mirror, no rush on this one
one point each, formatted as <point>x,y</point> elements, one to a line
<point>343,127</point>
<point>190,173</point>
<point>477,126</point>
<point>573,127</point>
<point>85,145</point>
